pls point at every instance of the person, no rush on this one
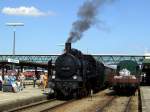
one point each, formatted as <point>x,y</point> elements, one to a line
<point>19,86</point>
<point>12,78</point>
<point>19,82</point>
<point>22,79</point>
<point>41,80</point>
<point>1,82</point>
<point>34,80</point>
<point>6,78</point>
<point>1,79</point>
<point>91,94</point>
<point>45,80</point>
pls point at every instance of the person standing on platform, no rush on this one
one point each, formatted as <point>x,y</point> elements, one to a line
<point>22,77</point>
<point>6,78</point>
<point>34,80</point>
<point>1,82</point>
<point>41,80</point>
<point>45,80</point>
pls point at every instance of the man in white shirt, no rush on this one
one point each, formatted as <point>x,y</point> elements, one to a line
<point>1,82</point>
<point>1,78</point>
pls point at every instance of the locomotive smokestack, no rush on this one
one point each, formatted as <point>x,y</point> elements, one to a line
<point>68,47</point>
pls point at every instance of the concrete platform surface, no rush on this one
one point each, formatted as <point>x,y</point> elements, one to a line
<point>9,100</point>
<point>145,95</point>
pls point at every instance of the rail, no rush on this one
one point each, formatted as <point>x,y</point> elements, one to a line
<point>139,101</point>
<point>109,102</point>
<point>58,106</point>
<point>128,105</point>
<point>30,105</point>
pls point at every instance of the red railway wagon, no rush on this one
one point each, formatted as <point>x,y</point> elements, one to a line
<point>127,77</point>
<point>125,81</point>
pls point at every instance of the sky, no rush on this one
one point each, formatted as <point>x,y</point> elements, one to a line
<point>124,27</point>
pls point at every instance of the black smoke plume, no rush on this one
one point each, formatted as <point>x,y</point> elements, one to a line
<point>87,16</point>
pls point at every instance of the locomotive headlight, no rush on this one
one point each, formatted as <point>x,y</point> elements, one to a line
<point>53,76</point>
<point>75,77</point>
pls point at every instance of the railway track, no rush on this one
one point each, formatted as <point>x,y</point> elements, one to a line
<point>117,104</point>
<point>39,106</point>
<point>106,104</point>
<point>57,106</point>
<point>128,105</point>
<point>43,106</point>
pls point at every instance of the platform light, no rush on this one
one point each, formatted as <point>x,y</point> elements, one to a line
<point>15,24</point>
<point>14,39</point>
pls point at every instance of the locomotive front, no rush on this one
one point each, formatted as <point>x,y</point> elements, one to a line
<point>66,74</point>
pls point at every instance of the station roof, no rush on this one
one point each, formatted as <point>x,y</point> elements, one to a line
<point>108,59</point>
<point>24,63</point>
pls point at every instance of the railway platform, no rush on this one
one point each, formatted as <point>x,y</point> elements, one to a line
<point>10,100</point>
<point>145,97</point>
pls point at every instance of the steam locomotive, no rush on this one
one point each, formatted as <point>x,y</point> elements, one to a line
<point>75,74</point>
<point>127,79</point>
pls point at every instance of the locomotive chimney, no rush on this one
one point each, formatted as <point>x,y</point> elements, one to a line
<point>68,47</point>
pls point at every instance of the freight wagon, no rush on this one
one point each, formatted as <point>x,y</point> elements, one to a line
<point>127,78</point>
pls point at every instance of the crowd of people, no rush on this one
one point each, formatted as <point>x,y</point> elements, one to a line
<point>17,82</point>
<point>14,83</point>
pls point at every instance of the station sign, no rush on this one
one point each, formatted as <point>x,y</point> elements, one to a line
<point>13,60</point>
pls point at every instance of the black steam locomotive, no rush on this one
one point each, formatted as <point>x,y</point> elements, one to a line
<point>76,74</point>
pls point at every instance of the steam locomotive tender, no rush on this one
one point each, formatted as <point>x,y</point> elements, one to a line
<point>76,74</point>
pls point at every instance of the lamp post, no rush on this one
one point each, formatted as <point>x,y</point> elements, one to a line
<point>14,34</point>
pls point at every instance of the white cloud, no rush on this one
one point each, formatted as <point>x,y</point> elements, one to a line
<point>25,11</point>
